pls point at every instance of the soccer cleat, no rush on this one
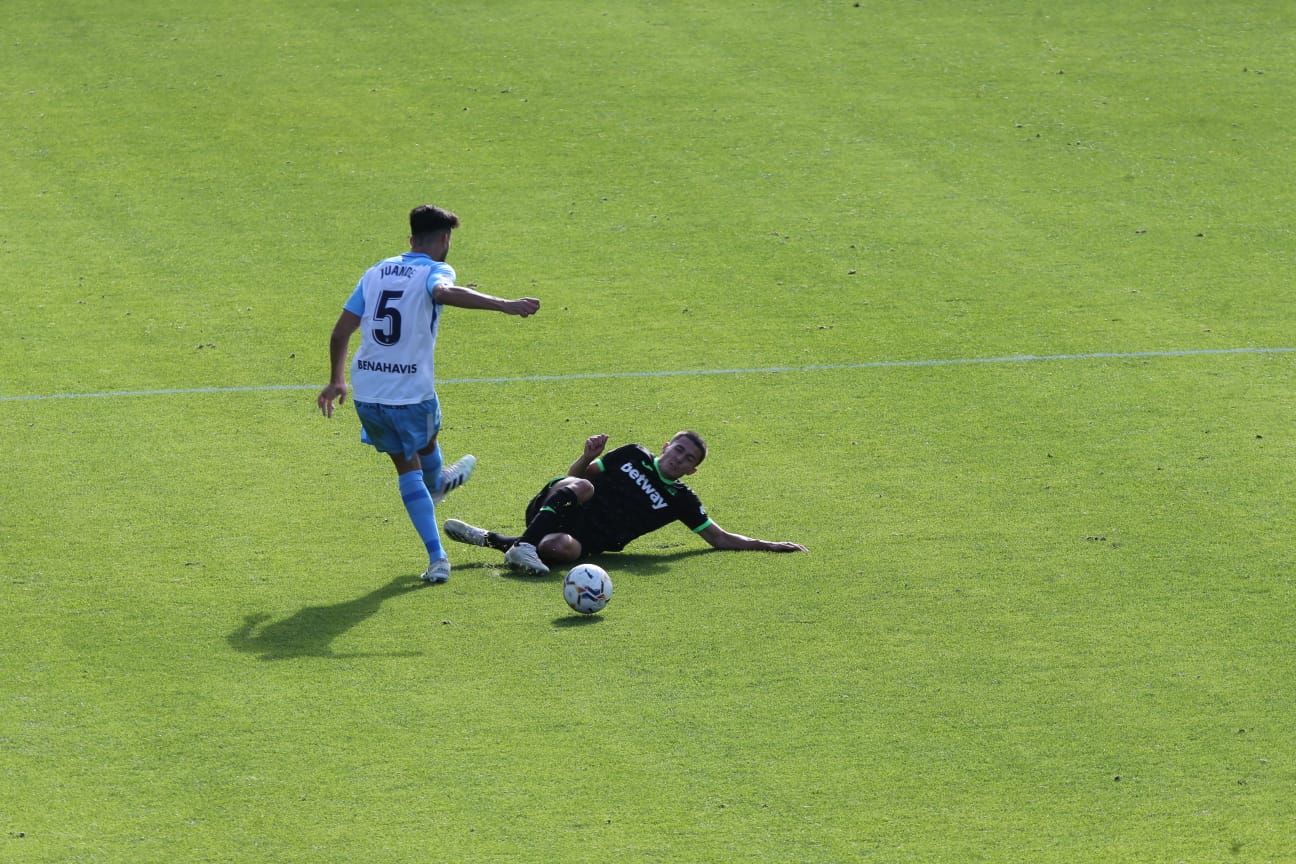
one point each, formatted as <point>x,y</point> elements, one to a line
<point>462,532</point>
<point>438,572</point>
<point>454,476</point>
<point>524,557</point>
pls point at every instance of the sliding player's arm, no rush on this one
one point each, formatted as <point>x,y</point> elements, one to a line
<point>722,539</point>
<point>587,465</point>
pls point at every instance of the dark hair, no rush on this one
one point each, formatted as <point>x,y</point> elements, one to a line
<point>426,219</point>
<point>696,439</point>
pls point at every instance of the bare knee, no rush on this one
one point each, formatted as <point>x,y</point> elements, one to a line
<point>559,549</point>
<point>583,488</point>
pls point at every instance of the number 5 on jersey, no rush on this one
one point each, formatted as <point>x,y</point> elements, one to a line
<point>391,333</point>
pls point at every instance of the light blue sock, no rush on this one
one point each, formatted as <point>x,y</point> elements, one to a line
<point>432,463</point>
<point>422,512</point>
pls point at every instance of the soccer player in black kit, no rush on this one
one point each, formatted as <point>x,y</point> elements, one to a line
<point>604,502</point>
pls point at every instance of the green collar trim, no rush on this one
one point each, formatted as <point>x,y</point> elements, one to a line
<point>657,471</point>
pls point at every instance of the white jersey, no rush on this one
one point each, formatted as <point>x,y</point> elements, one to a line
<point>398,329</point>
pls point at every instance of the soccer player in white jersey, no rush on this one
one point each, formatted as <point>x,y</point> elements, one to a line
<point>396,306</point>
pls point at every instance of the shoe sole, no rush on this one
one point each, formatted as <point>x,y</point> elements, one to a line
<point>464,534</point>
<point>541,570</point>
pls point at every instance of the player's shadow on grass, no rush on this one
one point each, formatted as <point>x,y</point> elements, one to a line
<point>310,632</point>
<point>635,563</point>
<point>646,563</point>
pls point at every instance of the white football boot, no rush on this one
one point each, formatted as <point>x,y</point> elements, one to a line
<point>525,557</point>
<point>454,476</point>
<point>438,572</point>
<point>462,532</point>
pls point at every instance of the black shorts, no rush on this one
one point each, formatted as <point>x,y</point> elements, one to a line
<point>572,522</point>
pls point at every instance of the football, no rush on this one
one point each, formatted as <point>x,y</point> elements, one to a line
<point>587,588</point>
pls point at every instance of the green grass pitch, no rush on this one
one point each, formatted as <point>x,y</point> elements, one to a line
<point>1047,615</point>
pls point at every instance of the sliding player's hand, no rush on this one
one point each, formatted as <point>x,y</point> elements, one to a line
<point>594,446</point>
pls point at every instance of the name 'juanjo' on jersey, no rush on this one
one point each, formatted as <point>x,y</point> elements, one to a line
<point>398,329</point>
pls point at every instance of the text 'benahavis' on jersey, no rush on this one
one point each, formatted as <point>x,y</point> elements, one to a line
<point>634,499</point>
<point>398,329</point>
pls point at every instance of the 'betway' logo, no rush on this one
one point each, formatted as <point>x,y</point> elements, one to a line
<point>641,480</point>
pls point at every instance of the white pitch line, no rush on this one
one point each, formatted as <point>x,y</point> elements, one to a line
<point>584,376</point>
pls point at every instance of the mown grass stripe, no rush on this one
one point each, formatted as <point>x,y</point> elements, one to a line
<point>757,370</point>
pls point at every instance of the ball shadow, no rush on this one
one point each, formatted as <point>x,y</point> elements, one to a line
<point>576,619</point>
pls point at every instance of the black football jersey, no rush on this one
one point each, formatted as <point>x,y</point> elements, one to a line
<point>631,499</point>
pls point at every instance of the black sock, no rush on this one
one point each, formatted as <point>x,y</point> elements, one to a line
<point>502,542</point>
<point>545,522</point>
<point>550,517</point>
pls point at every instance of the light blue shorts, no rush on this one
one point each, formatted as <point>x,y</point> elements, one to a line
<point>405,429</point>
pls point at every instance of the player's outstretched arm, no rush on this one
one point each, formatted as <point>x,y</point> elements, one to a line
<point>470,298</point>
<point>722,539</point>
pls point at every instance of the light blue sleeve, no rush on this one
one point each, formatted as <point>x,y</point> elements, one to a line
<point>355,303</point>
<point>441,272</point>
